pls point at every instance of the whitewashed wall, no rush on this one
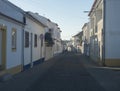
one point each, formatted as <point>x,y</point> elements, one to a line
<point>100,37</point>
<point>49,25</point>
<point>13,58</point>
<point>34,28</point>
<point>112,29</point>
<point>48,53</point>
<point>57,46</point>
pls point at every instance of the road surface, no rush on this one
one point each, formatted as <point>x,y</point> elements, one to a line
<point>68,73</point>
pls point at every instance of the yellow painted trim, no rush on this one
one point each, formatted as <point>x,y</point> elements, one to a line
<point>112,62</point>
<point>14,70</point>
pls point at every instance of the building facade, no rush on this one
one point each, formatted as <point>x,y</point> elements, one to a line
<point>34,45</point>
<point>23,40</point>
<point>11,30</point>
<point>104,18</point>
<point>57,40</point>
<point>77,42</point>
<point>52,36</point>
<point>86,38</point>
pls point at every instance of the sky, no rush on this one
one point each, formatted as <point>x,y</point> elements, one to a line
<point>68,14</point>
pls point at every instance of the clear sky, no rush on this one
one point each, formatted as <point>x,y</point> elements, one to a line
<point>68,14</point>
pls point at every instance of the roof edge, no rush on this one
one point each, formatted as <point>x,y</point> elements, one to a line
<point>92,7</point>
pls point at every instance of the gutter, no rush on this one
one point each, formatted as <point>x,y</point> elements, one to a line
<point>92,7</point>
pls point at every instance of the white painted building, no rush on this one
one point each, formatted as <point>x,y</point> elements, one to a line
<point>77,42</point>
<point>34,45</point>
<point>56,36</point>
<point>86,38</point>
<point>54,31</point>
<point>22,38</point>
<point>11,31</point>
<point>57,40</point>
<point>105,34</point>
<point>74,41</point>
<point>48,51</point>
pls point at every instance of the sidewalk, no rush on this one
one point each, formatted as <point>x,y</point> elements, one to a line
<point>108,77</point>
<point>21,81</point>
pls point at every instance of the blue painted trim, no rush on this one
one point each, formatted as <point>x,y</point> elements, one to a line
<point>26,67</point>
<point>34,63</point>
<point>38,61</point>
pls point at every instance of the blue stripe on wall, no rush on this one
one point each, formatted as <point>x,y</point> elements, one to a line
<point>26,67</point>
<point>34,63</point>
<point>38,61</point>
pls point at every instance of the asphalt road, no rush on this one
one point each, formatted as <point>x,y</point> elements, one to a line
<point>67,74</point>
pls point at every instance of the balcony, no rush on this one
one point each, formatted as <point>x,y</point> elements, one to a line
<point>49,40</point>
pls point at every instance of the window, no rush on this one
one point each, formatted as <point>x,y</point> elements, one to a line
<point>14,37</point>
<point>41,37</point>
<point>35,40</point>
<point>26,39</point>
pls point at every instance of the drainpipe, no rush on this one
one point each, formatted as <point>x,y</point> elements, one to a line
<point>104,13</point>
<point>23,50</point>
<point>23,43</point>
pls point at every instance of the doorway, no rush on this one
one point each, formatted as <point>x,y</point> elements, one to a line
<point>2,47</point>
<point>31,51</point>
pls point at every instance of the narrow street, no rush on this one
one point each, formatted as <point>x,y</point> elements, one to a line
<point>46,47</point>
<point>67,74</point>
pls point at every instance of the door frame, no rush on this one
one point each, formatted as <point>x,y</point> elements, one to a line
<point>31,50</point>
<point>3,55</point>
<point>1,47</point>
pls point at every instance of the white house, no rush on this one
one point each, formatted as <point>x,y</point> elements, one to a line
<point>34,45</point>
<point>105,34</point>
<point>86,38</point>
<point>77,41</point>
<point>56,36</point>
<point>11,30</point>
<point>57,47</point>
<point>48,50</point>
<point>23,40</point>
<point>52,32</point>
